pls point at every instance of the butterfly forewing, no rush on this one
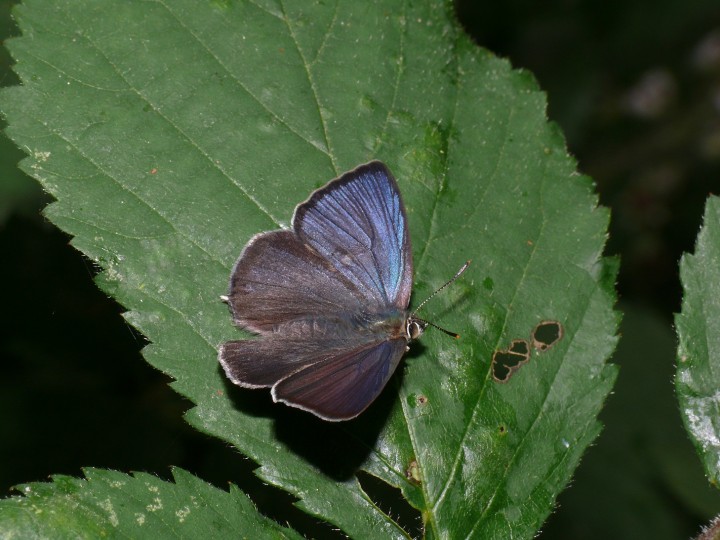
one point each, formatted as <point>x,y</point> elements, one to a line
<point>358,223</point>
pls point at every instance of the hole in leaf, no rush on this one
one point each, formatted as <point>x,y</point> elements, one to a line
<point>506,362</point>
<point>546,334</point>
<point>391,501</point>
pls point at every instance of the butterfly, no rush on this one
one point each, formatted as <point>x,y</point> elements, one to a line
<point>329,299</point>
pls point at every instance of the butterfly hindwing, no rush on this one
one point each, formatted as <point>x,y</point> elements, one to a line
<point>344,385</point>
<point>332,380</point>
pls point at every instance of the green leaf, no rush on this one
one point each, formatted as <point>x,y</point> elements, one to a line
<point>698,327</point>
<point>172,132</point>
<point>115,505</point>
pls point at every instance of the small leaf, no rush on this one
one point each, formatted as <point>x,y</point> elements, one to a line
<point>172,132</point>
<point>111,504</point>
<point>698,327</point>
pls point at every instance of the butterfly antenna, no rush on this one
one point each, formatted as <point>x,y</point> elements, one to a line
<point>457,275</point>
<point>448,332</point>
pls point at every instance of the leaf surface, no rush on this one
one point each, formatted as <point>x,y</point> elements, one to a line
<point>112,504</point>
<point>172,132</point>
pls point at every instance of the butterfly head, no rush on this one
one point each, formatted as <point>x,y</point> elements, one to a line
<point>414,328</point>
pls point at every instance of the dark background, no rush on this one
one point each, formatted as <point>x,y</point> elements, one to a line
<point>635,86</point>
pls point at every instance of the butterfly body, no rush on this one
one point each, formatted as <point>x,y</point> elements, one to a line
<point>328,299</point>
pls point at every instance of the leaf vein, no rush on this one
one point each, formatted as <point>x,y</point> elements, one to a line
<point>380,139</point>
<point>326,36</point>
<point>456,461</point>
<point>313,87</point>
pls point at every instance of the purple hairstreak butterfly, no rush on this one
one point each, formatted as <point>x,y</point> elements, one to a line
<point>329,299</point>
